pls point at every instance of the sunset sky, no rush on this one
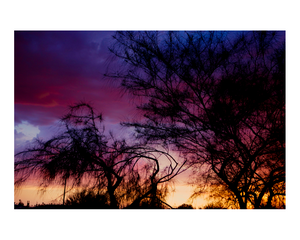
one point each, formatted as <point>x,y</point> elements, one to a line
<point>54,90</point>
<point>57,69</point>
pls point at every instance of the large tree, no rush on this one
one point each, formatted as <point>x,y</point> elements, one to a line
<point>81,155</point>
<point>219,97</point>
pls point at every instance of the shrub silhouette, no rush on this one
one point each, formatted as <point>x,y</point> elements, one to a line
<point>86,199</point>
<point>214,206</point>
<point>185,206</point>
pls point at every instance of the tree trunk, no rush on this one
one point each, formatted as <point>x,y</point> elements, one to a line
<point>153,196</point>
<point>242,203</point>
<point>64,197</point>
<point>113,201</point>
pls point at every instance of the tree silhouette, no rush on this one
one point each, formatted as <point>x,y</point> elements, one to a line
<point>220,98</point>
<point>82,155</point>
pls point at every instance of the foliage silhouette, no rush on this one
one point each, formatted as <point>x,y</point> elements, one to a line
<point>20,204</point>
<point>81,155</point>
<point>87,199</point>
<point>214,206</point>
<point>219,97</point>
<point>185,206</point>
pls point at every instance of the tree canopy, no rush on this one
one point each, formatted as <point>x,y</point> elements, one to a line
<point>81,155</point>
<point>219,97</point>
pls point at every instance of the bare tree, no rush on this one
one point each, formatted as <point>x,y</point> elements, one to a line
<point>220,98</point>
<point>82,155</point>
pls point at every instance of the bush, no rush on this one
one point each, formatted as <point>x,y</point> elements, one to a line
<point>87,199</point>
<point>214,206</point>
<point>185,206</point>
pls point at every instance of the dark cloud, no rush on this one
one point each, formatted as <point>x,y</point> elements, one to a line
<point>54,69</point>
<point>53,61</point>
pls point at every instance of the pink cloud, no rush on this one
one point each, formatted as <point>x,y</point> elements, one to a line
<point>57,69</point>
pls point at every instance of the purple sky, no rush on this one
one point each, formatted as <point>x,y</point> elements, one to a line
<point>57,69</point>
<point>121,14</point>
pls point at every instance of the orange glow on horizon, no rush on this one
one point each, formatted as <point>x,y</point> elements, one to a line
<point>182,194</point>
<point>54,195</point>
<point>34,196</point>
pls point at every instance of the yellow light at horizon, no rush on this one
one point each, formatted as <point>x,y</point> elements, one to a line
<point>32,194</point>
<point>182,195</point>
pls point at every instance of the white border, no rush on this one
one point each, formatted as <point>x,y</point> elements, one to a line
<point>149,15</point>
